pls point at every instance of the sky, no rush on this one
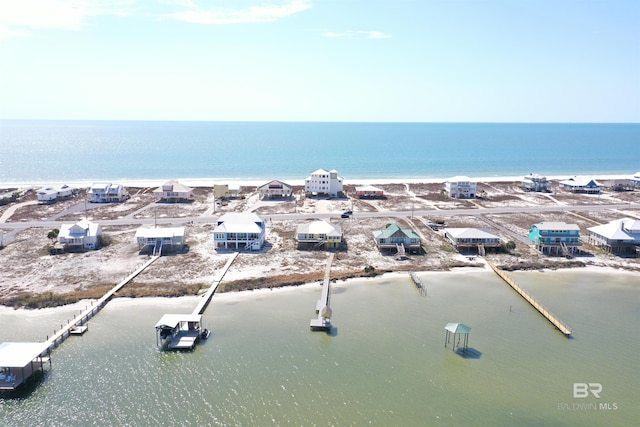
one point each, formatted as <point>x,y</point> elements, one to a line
<point>321,60</point>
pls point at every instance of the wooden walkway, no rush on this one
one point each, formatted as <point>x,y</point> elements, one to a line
<point>416,281</point>
<point>88,313</point>
<point>550,317</point>
<point>323,322</point>
<point>202,305</point>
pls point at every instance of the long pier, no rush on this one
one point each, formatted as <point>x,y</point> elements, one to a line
<point>202,305</point>
<point>323,322</point>
<point>79,321</point>
<point>550,317</point>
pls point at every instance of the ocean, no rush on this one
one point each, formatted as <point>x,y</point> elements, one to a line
<point>384,364</point>
<point>79,151</point>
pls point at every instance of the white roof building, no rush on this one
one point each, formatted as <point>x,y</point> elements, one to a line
<point>461,187</point>
<point>237,229</point>
<point>157,239</point>
<point>105,192</point>
<point>321,233</point>
<point>84,234</point>
<point>581,184</point>
<point>322,181</point>
<point>55,192</point>
<point>471,238</point>
<point>621,236</point>
<point>636,178</point>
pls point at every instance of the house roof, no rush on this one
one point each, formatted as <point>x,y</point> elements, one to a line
<point>393,229</point>
<point>270,184</point>
<point>580,181</point>
<point>239,222</point>
<point>81,228</point>
<point>320,172</point>
<point>460,178</point>
<point>20,354</point>
<point>173,320</point>
<point>556,225</point>
<point>174,186</point>
<point>471,233</point>
<point>319,227</point>
<point>158,233</point>
<point>369,188</point>
<point>620,229</point>
<point>457,328</point>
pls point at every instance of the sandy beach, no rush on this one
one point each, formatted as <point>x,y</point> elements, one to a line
<point>30,271</point>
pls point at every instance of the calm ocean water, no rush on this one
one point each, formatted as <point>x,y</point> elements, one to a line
<point>384,364</point>
<point>47,151</point>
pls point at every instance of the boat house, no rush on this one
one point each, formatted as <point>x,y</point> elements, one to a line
<point>179,331</point>
<point>20,360</point>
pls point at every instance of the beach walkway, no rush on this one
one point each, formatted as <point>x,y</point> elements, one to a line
<point>202,305</point>
<point>323,322</point>
<point>550,317</point>
<point>78,323</point>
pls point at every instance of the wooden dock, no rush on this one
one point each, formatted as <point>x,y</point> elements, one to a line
<point>550,317</point>
<point>323,309</point>
<point>78,323</point>
<point>202,305</point>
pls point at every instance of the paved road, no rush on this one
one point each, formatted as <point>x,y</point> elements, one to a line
<point>432,213</point>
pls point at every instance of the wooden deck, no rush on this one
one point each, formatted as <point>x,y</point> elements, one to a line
<point>550,317</point>
<point>202,305</point>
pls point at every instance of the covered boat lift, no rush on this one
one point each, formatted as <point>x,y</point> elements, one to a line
<point>181,331</point>
<point>454,329</point>
<point>20,360</point>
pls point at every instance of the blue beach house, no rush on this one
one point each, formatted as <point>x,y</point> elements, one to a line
<point>555,238</point>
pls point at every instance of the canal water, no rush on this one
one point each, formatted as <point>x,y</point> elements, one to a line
<point>384,363</point>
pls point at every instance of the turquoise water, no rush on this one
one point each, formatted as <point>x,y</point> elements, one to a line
<point>42,151</point>
<point>384,364</point>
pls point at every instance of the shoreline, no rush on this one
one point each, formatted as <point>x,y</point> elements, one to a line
<point>240,182</point>
<point>244,295</point>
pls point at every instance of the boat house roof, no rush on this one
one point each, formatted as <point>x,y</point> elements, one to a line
<point>173,320</point>
<point>20,354</point>
<point>457,328</point>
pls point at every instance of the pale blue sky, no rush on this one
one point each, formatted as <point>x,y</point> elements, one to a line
<point>313,60</point>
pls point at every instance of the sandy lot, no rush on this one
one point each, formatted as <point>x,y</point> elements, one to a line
<point>27,267</point>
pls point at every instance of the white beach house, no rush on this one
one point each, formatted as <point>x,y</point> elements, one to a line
<point>318,234</point>
<point>53,193</point>
<point>157,240</point>
<point>82,235</point>
<point>581,184</point>
<point>472,238</point>
<point>103,192</point>
<point>274,189</point>
<point>173,191</point>
<point>240,229</point>
<point>636,179</point>
<point>535,182</point>
<point>620,237</point>
<point>323,182</point>
<point>461,187</point>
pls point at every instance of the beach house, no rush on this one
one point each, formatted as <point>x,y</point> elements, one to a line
<point>393,237</point>
<point>369,192</point>
<point>239,229</point>
<point>159,240</point>
<point>83,235</point>
<point>319,234</point>
<point>224,191</point>
<point>466,239</point>
<point>636,179</point>
<point>460,187</point>
<point>54,193</point>
<point>555,238</point>
<point>581,184</point>
<point>275,189</point>
<point>620,237</point>
<point>107,193</point>
<point>173,191</point>
<point>535,182</point>
<point>322,182</point>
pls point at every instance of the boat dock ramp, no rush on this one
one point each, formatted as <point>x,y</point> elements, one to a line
<point>548,315</point>
<point>184,331</point>
<point>323,309</point>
